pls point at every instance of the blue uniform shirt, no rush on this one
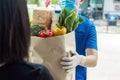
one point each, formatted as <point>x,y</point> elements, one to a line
<point>86,37</point>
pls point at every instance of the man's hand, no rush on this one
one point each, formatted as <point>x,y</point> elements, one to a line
<point>71,62</point>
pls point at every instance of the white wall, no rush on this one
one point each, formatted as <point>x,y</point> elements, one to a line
<point>108,5</point>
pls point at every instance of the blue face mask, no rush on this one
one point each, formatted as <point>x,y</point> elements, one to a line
<point>68,4</point>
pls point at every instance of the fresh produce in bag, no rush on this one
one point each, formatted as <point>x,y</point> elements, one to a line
<point>69,20</point>
<point>51,45</point>
<point>45,33</point>
<point>35,29</point>
<point>42,17</point>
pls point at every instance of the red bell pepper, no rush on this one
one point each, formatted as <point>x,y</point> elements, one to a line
<point>45,33</point>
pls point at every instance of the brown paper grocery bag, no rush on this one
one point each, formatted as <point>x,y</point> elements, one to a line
<point>42,17</point>
<point>49,51</point>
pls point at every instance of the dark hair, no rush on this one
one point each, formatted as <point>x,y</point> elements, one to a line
<point>14,31</point>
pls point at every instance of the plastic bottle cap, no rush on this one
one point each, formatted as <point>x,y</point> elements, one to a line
<point>58,11</point>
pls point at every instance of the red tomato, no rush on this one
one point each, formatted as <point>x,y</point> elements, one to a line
<point>45,34</point>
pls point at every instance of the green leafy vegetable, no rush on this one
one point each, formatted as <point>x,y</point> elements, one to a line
<point>69,19</point>
<point>35,29</point>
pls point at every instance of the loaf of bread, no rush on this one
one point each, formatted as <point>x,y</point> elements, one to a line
<point>42,17</point>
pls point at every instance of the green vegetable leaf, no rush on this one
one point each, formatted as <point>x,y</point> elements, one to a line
<point>69,20</point>
<point>75,24</point>
<point>35,29</point>
<point>68,23</point>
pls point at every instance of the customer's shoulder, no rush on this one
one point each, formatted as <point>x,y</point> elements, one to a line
<point>35,68</point>
<point>34,65</point>
<point>37,72</point>
<point>40,71</point>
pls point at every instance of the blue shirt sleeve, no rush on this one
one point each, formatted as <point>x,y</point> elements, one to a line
<point>92,37</point>
<point>85,36</point>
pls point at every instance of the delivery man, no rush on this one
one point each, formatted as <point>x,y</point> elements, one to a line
<point>86,44</point>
